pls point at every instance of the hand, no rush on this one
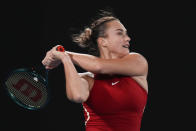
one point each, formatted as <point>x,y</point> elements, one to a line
<point>53,58</point>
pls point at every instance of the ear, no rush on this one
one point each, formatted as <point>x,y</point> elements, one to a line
<point>102,41</point>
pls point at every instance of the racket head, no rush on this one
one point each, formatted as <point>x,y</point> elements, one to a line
<point>27,88</point>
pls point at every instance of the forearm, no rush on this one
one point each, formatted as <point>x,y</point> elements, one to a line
<point>76,87</point>
<point>133,64</point>
<point>87,62</point>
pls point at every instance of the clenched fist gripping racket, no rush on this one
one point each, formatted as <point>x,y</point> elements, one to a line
<point>27,88</point>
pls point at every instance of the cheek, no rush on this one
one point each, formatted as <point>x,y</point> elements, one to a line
<point>115,43</point>
<point>114,46</point>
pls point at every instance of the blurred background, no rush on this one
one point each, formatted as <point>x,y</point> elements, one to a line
<point>164,31</point>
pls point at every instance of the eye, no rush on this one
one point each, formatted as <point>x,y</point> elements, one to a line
<point>119,33</point>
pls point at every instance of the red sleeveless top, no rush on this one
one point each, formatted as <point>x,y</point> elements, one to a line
<point>116,103</point>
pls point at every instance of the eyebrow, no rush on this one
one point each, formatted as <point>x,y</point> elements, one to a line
<point>121,30</point>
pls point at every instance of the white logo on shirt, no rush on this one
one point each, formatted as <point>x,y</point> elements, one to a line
<point>114,83</point>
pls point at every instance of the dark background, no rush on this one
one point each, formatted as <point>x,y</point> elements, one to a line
<point>165,37</point>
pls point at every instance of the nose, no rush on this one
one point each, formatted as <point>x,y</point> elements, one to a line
<point>127,38</point>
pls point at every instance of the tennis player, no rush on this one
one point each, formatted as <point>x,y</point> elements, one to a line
<point>114,89</point>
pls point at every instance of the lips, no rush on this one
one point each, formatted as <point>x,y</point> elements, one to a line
<point>126,46</point>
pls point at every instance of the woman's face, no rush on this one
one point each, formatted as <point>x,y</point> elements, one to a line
<point>117,40</point>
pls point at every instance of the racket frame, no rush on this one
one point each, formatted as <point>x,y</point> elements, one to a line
<point>33,73</point>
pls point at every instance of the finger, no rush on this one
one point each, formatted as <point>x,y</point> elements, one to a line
<point>44,61</point>
<point>55,47</point>
<point>48,67</point>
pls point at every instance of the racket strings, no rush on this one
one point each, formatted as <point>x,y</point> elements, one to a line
<point>27,89</point>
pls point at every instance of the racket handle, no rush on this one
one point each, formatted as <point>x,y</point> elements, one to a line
<point>60,48</point>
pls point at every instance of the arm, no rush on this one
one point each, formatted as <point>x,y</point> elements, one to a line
<point>77,88</point>
<point>133,64</point>
<point>87,62</point>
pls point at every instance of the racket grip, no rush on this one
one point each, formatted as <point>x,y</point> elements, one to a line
<point>60,48</point>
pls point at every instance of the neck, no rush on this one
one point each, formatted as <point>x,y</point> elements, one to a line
<point>105,54</point>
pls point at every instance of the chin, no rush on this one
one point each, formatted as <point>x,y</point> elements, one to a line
<point>125,53</point>
<point>121,53</point>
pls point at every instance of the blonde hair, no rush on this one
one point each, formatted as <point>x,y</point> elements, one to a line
<point>83,38</point>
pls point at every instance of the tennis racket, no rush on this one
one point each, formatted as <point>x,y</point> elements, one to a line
<point>28,88</point>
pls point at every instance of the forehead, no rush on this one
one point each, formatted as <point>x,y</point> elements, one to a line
<point>115,24</point>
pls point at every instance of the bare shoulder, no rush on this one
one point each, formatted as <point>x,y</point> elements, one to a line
<point>138,55</point>
<point>140,61</point>
<point>142,80</point>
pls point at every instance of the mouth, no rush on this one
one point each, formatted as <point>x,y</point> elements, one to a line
<point>126,46</point>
